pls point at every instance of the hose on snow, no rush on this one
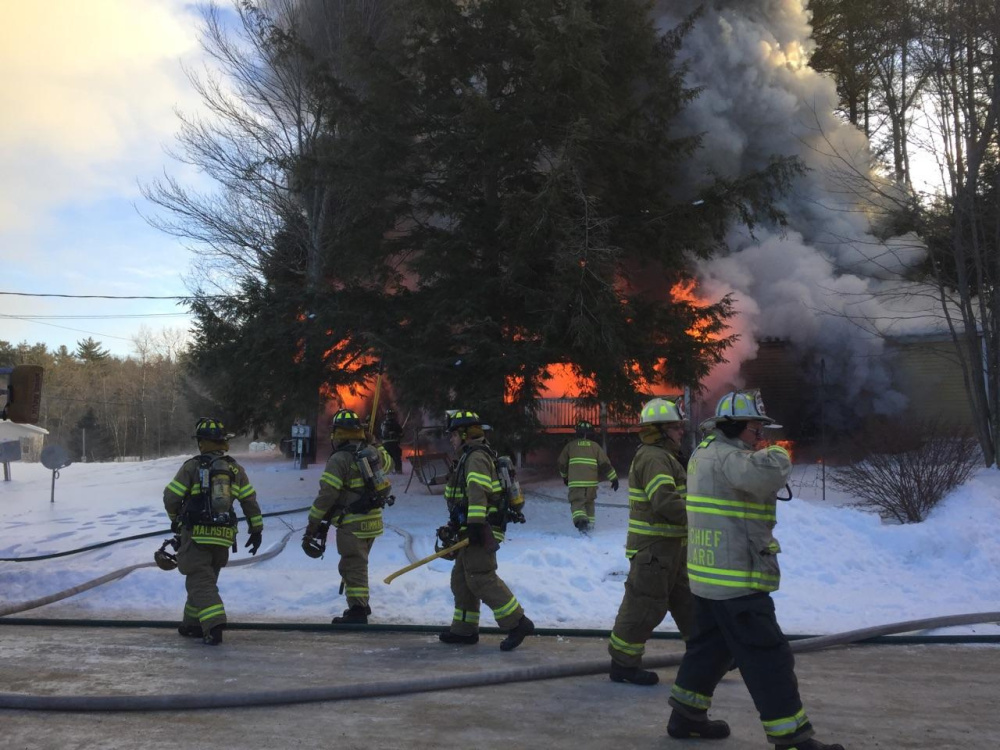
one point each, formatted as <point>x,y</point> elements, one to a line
<point>192,701</point>
<point>11,609</point>
<point>147,535</point>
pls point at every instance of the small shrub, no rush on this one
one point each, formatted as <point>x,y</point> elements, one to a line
<point>905,469</point>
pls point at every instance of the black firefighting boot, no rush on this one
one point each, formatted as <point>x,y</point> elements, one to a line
<point>355,615</point>
<point>190,631</point>
<point>809,744</point>
<point>214,636</point>
<point>522,630</point>
<point>466,640</point>
<point>582,526</point>
<point>633,675</point>
<point>683,727</point>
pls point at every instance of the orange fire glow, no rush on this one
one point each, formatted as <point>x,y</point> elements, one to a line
<point>685,291</point>
<point>565,383</point>
<point>788,445</point>
<point>358,397</point>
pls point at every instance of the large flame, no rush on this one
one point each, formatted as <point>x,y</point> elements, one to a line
<point>564,382</point>
<point>686,291</point>
<point>357,397</point>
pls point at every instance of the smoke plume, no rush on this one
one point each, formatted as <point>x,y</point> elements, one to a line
<point>826,283</point>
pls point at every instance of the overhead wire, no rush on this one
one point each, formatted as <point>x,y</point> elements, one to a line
<point>122,296</point>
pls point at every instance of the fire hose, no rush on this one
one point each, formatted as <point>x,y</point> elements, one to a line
<point>115,575</point>
<point>11,609</point>
<point>191,701</point>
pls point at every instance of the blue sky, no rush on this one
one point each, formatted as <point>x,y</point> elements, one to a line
<point>89,97</point>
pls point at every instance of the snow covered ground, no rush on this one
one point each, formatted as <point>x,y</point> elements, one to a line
<point>842,568</point>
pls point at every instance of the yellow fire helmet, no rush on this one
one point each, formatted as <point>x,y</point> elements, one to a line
<point>661,411</point>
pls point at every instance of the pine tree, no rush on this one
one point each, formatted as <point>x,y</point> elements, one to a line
<point>546,167</point>
<point>487,193</point>
<point>91,352</point>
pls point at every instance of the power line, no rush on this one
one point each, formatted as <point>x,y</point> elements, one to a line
<point>94,317</point>
<point>114,296</point>
<point>77,330</point>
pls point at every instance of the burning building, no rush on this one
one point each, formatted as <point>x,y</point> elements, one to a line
<point>814,297</point>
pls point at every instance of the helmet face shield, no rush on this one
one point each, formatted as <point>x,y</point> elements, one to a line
<point>165,560</point>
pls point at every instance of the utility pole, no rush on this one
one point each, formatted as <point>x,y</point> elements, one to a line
<point>822,424</point>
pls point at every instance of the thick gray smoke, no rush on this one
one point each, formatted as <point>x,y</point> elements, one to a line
<point>826,284</point>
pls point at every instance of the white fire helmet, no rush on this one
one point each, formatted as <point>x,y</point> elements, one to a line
<point>741,406</point>
<point>661,411</point>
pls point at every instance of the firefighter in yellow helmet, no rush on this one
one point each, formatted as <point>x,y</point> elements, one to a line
<point>581,463</point>
<point>475,502</point>
<point>733,567</point>
<point>199,503</point>
<point>657,534</point>
<point>352,492</point>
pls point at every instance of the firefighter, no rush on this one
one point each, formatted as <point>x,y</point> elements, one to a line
<point>657,534</point>
<point>581,462</point>
<point>391,433</point>
<point>475,504</point>
<point>733,567</point>
<point>199,503</point>
<point>352,503</point>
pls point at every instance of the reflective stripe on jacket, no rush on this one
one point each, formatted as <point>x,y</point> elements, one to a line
<point>582,462</point>
<point>187,483</point>
<point>474,488</point>
<point>657,484</point>
<point>341,484</point>
<point>731,504</point>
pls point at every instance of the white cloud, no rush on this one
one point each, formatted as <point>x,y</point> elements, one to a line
<point>88,93</point>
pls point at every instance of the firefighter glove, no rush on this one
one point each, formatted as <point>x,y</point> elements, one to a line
<point>566,481</point>
<point>253,541</point>
<point>614,484</point>
<point>176,526</point>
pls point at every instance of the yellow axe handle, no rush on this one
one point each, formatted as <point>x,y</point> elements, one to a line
<point>429,558</point>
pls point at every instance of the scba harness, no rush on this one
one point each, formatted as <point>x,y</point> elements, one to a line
<point>377,486</point>
<point>212,505</point>
<point>376,495</point>
<point>508,511</point>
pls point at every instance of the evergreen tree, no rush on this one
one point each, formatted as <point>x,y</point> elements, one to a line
<point>91,352</point>
<point>546,195</point>
<point>484,195</point>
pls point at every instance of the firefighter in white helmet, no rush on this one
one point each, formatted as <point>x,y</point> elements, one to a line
<point>657,531</point>
<point>733,567</point>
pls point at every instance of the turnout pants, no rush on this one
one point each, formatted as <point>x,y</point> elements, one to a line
<point>581,503</point>
<point>657,582</point>
<point>744,630</point>
<point>353,566</point>
<point>395,451</point>
<point>200,565</point>
<point>474,579</point>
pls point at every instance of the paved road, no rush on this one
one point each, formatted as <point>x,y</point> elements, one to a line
<point>866,697</point>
